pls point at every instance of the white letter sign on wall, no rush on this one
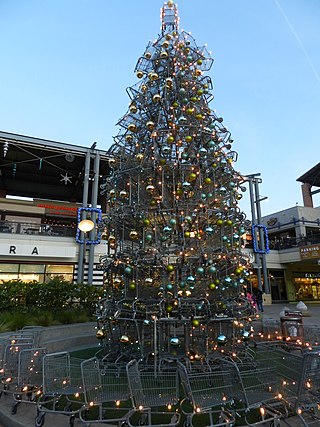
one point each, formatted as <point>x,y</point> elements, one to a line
<point>36,250</point>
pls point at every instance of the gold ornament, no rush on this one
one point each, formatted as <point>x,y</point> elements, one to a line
<point>139,74</point>
<point>139,157</point>
<point>147,55</point>
<point>133,108</point>
<point>170,4</point>
<point>144,88</point>
<point>163,54</point>
<point>156,98</point>
<point>150,125</point>
<point>134,235</point>
<point>165,44</point>
<point>129,138</point>
<point>132,127</point>
<point>112,240</point>
<point>150,188</point>
<point>101,334</point>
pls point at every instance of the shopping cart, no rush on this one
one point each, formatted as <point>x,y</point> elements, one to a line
<point>62,387</point>
<point>209,392</point>
<point>106,392</point>
<point>30,377</point>
<point>154,391</point>
<point>10,363</point>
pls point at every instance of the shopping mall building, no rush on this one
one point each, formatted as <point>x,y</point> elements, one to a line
<point>39,236</point>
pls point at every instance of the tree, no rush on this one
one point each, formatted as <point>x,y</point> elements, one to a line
<point>174,269</point>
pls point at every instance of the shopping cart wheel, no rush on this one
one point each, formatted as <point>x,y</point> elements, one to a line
<point>14,408</point>
<point>71,420</point>
<point>143,420</point>
<point>40,419</point>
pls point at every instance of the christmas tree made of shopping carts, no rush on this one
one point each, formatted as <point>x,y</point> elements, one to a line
<point>174,270</point>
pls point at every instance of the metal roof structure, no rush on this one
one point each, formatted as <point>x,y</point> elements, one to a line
<point>44,169</point>
<point>312,176</point>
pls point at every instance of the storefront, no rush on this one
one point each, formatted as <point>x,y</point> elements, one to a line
<point>307,286</point>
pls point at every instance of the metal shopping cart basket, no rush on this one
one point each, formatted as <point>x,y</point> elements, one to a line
<point>106,392</point>
<point>62,387</point>
<point>154,391</point>
<point>208,390</point>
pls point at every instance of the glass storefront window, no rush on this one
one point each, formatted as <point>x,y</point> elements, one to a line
<point>37,272</point>
<point>307,288</point>
<point>31,268</point>
<point>9,268</point>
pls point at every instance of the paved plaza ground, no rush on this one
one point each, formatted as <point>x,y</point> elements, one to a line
<point>25,416</point>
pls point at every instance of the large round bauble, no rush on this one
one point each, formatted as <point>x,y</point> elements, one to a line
<point>173,222</point>
<point>186,186</point>
<point>101,334</point>
<point>200,270</point>
<point>133,108</point>
<point>147,55</point>
<point>150,125</point>
<point>199,92</point>
<point>139,74</point>
<point>132,127</point>
<point>192,176</point>
<point>148,237</point>
<point>209,230</point>
<point>167,229</point>
<point>169,308</point>
<point>170,268</point>
<point>163,54</point>
<point>170,139</point>
<point>132,286</point>
<point>175,341</point>
<point>112,240</point>
<point>169,286</point>
<point>134,235</point>
<point>212,269</point>
<point>245,336</point>
<point>189,111</point>
<point>222,340</point>
<point>188,138</point>
<point>195,322</point>
<point>128,270</point>
<point>146,222</point>
<point>150,188</point>
<point>139,157</point>
<point>219,222</point>
<point>211,286</point>
<point>124,339</point>
<point>156,98</point>
<point>190,280</point>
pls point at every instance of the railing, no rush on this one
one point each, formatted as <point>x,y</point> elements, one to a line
<point>36,229</point>
<point>292,242</point>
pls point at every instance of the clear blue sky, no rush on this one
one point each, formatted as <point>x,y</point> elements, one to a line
<point>65,65</point>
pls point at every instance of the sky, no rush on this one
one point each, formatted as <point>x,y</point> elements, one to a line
<point>66,64</point>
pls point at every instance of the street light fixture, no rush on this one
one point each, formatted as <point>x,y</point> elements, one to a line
<point>86,225</point>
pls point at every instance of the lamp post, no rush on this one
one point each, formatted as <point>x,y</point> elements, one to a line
<point>260,255</point>
<point>85,226</point>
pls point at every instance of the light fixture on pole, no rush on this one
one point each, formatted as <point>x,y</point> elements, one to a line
<point>86,225</point>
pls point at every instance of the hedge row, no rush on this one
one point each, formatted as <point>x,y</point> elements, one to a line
<point>55,295</point>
